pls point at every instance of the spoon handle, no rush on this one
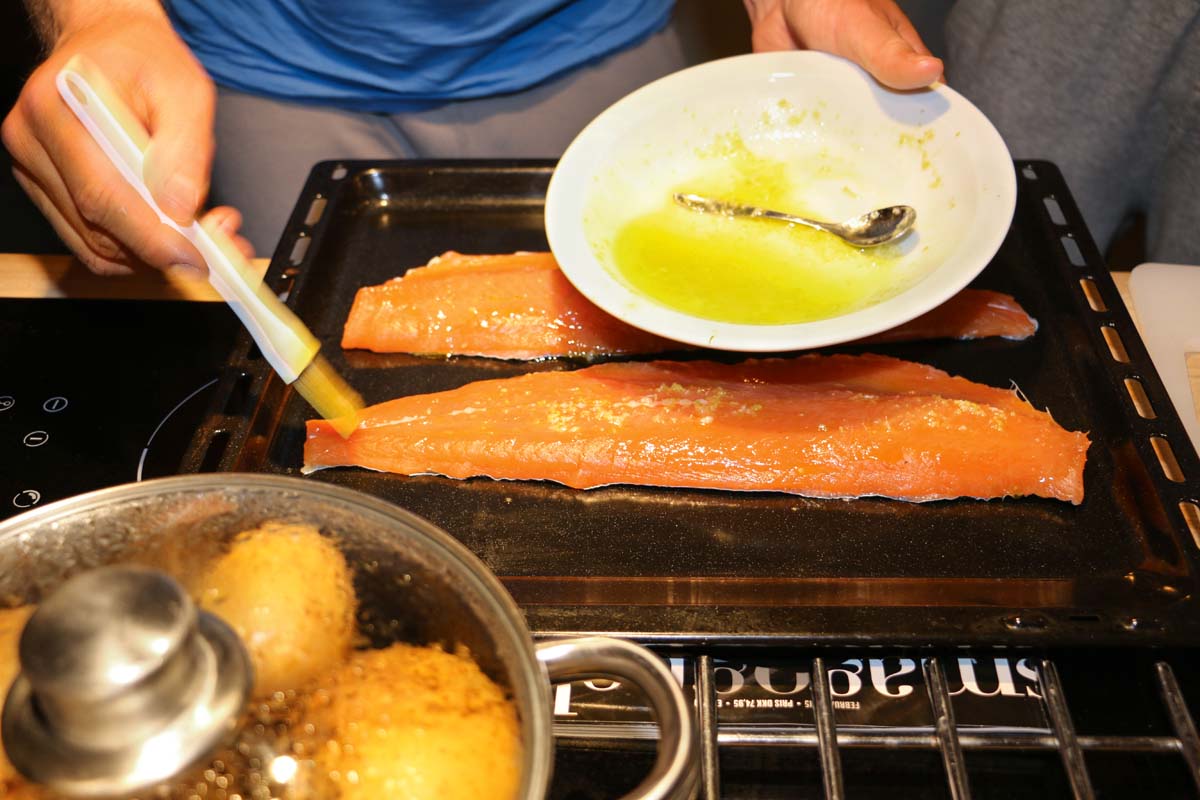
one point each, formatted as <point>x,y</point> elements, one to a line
<point>782,217</point>
<point>697,203</point>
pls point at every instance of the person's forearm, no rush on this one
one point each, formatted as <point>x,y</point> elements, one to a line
<point>51,18</point>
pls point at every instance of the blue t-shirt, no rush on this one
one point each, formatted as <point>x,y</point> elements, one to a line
<point>373,55</point>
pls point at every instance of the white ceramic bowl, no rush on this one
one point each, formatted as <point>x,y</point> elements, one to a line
<point>930,149</point>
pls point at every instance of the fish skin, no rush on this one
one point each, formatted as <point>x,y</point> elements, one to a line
<point>521,306</point>
<point>819,426</point>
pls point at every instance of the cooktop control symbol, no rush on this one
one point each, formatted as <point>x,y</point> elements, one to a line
<point>7,401</point>
<point>54,405</point>
<point>27,498</point>
<point>36,438</point>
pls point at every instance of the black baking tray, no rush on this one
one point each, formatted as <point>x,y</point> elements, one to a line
<point>692,567</point>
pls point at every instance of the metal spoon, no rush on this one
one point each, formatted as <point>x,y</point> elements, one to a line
<point>866,230</point>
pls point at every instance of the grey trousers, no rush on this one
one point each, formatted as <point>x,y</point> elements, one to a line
<point>1107,89</point>
<point>266,148</point>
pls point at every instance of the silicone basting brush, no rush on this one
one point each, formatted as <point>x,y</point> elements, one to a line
<point>289,347</point>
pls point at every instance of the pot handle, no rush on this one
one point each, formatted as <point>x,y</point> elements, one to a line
<point>676,769</point>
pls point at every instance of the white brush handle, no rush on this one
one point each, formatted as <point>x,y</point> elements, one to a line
<point>284,341</point>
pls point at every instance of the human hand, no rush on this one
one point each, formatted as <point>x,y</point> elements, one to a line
<point>228,220</point>
<point>95,212</point>
<point>874,34</point>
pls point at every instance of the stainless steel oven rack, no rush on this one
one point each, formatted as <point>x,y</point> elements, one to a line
<point>946,739</point>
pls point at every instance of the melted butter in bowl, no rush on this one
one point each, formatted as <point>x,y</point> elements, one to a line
<point>803,133</point>
<point>753,271</point>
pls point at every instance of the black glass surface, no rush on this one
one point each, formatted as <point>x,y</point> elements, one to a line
<point>95,393</point>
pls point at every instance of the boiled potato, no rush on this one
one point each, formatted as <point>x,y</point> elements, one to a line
<point>289,594</point>
<point>415,722</point>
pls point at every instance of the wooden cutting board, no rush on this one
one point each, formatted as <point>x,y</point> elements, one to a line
<point>1168,296</point>
<point>24,275</point>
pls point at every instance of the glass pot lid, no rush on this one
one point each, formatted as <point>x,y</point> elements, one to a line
<point>327,643</point>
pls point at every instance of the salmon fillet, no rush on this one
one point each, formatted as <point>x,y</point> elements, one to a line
<point>517,306</point>
<point>970,314</point>
<point>521,306</point>
<point>821,426</point>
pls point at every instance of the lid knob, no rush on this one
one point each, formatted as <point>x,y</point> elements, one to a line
<point>123,684</point>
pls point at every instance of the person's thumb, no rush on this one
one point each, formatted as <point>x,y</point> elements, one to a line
<point>179,158</point>
<point>885,53</point>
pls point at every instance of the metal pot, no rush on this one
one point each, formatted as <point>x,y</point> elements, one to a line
<point>136,644</point>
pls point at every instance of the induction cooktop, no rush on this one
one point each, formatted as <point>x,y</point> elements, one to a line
<point>99,392</point>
